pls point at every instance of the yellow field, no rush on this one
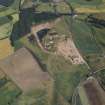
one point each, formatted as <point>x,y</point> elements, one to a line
<point>5,48</point>
<point>89,10</point>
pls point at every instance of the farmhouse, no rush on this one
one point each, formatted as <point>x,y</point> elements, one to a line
<point>22,68</point>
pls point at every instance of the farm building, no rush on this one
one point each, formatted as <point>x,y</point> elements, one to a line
<point>23,70</point>
<point>91,93</point>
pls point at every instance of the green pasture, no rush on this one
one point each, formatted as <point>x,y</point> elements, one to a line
<point>85,2</point>
<point>8,93</point>
<point>43,7</point>
<point>11,9</point>
<point>62,27</point>
<point>84,38</point>
<point>6,26</point>
<point>101,77</point>
<point>66,75</point>
<point>61,7</point>
<point>99,29</point>
<point>95,61</point>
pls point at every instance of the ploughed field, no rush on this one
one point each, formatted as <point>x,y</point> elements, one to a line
<point>94,93</point>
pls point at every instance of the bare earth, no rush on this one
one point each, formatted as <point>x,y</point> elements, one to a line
<point>95,94</point>
<point>69,51</point>
<point>24,70</point>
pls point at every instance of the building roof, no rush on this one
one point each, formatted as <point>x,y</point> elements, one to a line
<point>91,93</point>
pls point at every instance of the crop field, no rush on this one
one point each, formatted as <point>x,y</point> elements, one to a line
<point>92,86</point>
<point>96,62</point>
<point>62,27</point>
<point>4,23</point>
<point>43,7</point>
<point>66,75</point>
<point>66,82</point>
<point>62,70</point>
<point>61,7</point>
<point>82,95</point>
<point>33,47</point>
<point>83,38</point>
<point>81,6</point>
<point>101,77</point>
<point>81,2</point>
<point>12,7</point>
<point>1,74</point>
<point>38,97</point>
<point>99,34</point>
<point>26,77</point>
<point>8,93</point>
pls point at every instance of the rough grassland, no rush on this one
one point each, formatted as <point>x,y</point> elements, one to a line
<point>83,38</point>
<point>66,76</point>
<point>8,93</point>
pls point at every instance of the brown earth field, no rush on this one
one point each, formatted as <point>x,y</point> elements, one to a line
<point>95,94</point>
<point>24,70</point>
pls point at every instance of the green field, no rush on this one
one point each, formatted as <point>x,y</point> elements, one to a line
<point>96,62</point>
<point>101,76</point>
<point>61,7</point>
<point>67,76</point>
<point>8,93</point>
<point>12,8</point>
<point>63,72</point>
<point>85,2</point>
<point>62,27</point>
<point>6,26</point>
<point>97,26</point>
<point>84,6</point>
<point>99,29</point>
<point>88,40</point>
<point>83,37</point>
